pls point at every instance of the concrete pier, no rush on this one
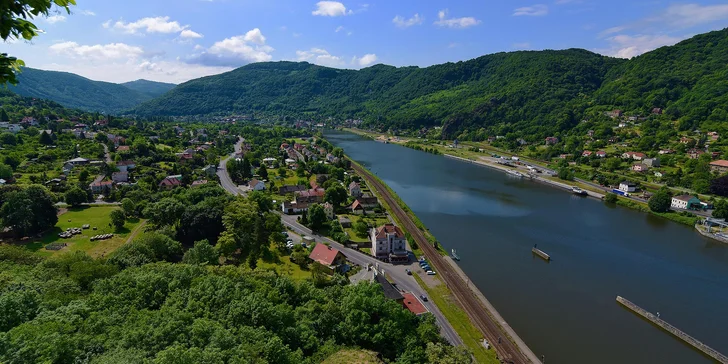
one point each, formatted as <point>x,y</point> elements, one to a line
<point>705,349</point>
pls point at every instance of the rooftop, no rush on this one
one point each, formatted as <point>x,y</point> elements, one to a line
<point>390,291</point>
<point>413,304</point>
<point>324,254</point>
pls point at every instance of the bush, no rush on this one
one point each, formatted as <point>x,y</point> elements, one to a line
<point>660,201</point>
<point>611,197</point>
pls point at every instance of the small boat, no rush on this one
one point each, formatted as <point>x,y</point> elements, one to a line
<point>455,255</point>
<point>514,173</point>
<point>578,191</point>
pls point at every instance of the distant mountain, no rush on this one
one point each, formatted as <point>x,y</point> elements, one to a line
<point>74,91</point>
<point>151,88</point>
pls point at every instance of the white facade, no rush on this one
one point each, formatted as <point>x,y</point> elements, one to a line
<point>387,239</point>
<point>627,187</point>
<point>678,203</point>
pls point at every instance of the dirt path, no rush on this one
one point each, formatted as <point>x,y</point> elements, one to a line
<point>135,232</point>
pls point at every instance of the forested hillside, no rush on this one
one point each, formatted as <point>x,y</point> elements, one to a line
<point>151,88</point>
<point>74,91</point>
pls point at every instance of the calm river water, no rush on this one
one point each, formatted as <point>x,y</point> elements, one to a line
<point>565,309</point>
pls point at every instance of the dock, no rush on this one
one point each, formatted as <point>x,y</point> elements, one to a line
<point>695,343</point>
<point>541,254</point>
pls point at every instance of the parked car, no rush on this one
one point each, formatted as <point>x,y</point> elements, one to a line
<point>423,297</point>
<point>430,273</point>
<point>409,272</point>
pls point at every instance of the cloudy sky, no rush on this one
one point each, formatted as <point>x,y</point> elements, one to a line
<point>177,40</point>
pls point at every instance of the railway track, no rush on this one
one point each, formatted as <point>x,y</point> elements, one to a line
<point>507,351</point>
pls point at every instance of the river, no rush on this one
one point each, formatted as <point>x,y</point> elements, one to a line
<point>565,309</point>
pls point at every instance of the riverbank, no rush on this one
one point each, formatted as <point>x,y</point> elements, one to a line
<point>704,232</point>
<point>483,315</point>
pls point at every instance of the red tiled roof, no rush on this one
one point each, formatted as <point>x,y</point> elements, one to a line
<point>324,254</point>
<point>356,205</point>
<point>385,229</point>
<point>170,182</point>
<point>413,304</point>
<point>720,163</point>
<point>123,148</point>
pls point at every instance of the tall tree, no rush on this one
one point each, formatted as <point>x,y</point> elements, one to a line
<point>316,217</point>
<point>76,196</point>
<point>660,201</point>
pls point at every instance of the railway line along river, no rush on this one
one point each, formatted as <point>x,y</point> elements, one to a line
<point>564,309</point>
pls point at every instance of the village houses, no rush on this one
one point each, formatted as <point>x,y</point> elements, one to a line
<point>389,243</point>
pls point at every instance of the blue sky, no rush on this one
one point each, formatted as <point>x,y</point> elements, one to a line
<point>177,40</point>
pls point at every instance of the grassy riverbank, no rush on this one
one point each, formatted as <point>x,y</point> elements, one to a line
<point>678,217</point>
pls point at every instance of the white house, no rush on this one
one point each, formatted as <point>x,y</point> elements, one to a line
<point>78,161</point>
<point>628,186</point>
<point>389,243</point>
<point>685,202</point>
<point>329,210</point>
<point>256,185</point>
<point>14,128</point>
<point>125,166</point>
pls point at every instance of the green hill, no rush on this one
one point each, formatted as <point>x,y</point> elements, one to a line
<point>151,88</point>
<point>74,91</point>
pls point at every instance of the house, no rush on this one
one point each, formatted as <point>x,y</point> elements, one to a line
<point>357,208</point>
<point>639,167</point>
<point>120,177</point>
<point>634,155</point>
<point>125,166</point>
<point>199,182</point>
<point>601,154</point>
<point>294,208</point>
<point>14,128</point>
<point>256,185</point>
<point>657,111</point>
<point>78,161</point>
<point>99,187</point>
<point>123,149</point>
<point>286,189</point>
<point>354,189</point>
<point>29,120</point>
<point>685,202</point>
<point>658,174</point>
<point>329,211</point>
<point>720,166</point>
<point>210,170</point>
<point>67,168</point>
<point>590,133</point>
<point>695,153</point>
<point>269,162</point>
<point>413,304</point>
<point>713,135</point>
<point>390,291</point>
<point>315,195</point>
<point>627,186</point>
<point>328,257</point>
<point>171,182</point>
<point>586,153</point>
<point>389,243</point>
<point>344,222</point>
<point>651,162</point>
<point>284,146</point>
<point>551,140</point>
<point>367,201</point>
<point>666,151</point>
<point>622,124</point>
<point>185,157</point>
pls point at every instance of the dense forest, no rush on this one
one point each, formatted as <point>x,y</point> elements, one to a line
<point>536,93</point>
<point>78,92</point>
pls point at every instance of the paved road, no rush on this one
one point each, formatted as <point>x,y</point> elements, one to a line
<point>396,273</point>
<point>107,155</point>
<point>225,180</point>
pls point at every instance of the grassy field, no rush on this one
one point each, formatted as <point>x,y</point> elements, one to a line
<point>282,265</point>
<point>459,320</point>
<point>353,356</point>
<point>96,216</point>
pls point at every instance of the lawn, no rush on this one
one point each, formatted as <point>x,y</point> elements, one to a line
<point>282,265</point>
<point>459,320</point>
<point>372,221</point>
<point>353,356</point>
<point>96,216</point>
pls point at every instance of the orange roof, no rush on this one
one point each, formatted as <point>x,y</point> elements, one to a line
<point>719,163</point>
<point>324,254</point>
<point>413,304</point>
<point>385,229</point>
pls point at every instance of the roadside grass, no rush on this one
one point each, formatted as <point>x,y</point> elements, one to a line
<point>678,217</point>
<point>95,216</point>
<point>443,298</point>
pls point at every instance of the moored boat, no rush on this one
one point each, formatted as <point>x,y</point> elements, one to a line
<point>578,191</point>
<point>455,255</point>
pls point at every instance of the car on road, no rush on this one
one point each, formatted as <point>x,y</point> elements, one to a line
<point>409,272</point>
<point>423,297</point>
<point>431,273</point>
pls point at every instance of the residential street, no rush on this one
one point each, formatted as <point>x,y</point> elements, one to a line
<point>225,180</point>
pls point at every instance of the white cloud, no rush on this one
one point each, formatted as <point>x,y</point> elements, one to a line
<point>330,8</point>
<point>55,19</point>
<point>198,47</point>
<point>160,24</point>
<point>123,71</point>
<point>685,16</point>
<point>101,52</point>
<point>627,46</point>
<point>406,23</point>
<point>534,10</point>
<point>464,22</point>
<point>339,28</point>
<point>366,60</point>
<point>235,51</point>
<point>188,34</point>
<point>320,57</point>
<point>87,13</point>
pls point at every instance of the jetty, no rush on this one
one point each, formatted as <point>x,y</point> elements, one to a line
<point>541,254</point>
<point>695,343</point>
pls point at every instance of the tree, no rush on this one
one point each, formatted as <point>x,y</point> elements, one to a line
<point>720,210</point>
<point>566,174</point>
<point>128,206</point>
<point>263,172</point>
<point>719,186</point>
<point>29,211</point>
<point>166,212</point>
<point>118,218</point>
<point>264,201</point>
<point>4,116</point>
<point>202,253</point>
<point>6,172</point>
<point>76,196</point>
<point>611,198</point>
<point>8,138</point>
<point>15,25</point>
<point>361,228</point>
<point>83,176</point>
<point>336,195</point>
<point>316,217</point>
<point>45,138</point>
<point>660,201</point>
